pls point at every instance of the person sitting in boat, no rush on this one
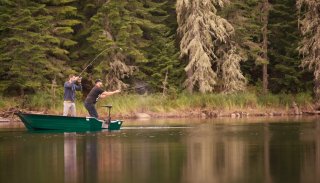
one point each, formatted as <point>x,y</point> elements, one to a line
<point>93,96</point>
<point>70,87</point>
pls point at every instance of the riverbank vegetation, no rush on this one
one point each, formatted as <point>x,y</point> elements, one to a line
<point>166,56</point>
<point>180,105</point>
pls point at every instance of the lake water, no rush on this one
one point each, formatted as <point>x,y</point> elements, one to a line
<point>179,151</point>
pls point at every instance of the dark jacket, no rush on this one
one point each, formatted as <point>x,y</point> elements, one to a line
<point>94,95</point>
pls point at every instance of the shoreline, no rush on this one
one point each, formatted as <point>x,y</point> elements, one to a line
<point>211,114</point>
<point>9,116</point>
<point>153,106</point>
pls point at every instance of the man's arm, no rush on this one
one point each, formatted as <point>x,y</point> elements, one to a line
<point>78,86</point>
<point>106,93</point>
<point>68,85</point>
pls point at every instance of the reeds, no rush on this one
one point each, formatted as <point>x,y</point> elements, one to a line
<point>133,103</point>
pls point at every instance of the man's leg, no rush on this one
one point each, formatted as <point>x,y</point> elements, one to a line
<point>91,109</point>
<point>94,111</point>
<point>73,109</point>
<point>66,107</point>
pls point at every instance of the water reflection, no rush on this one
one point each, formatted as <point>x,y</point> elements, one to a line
<point>137,156</point>
<point>80,157</point>
<point>25,157</point>
<point>214,159</point>
<point>206,152</point>
<point>70,158</point>
<point>310,159</point>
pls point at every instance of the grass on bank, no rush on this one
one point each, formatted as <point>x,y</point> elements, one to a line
<point>132,103</point>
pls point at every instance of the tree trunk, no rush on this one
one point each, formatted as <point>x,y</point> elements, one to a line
<point>189,86</point>
<point>53,90</point>
<point>21,91</point>
<point>164,84</point>
<point>265,78</point>
<point>265,18</point>
<point>317,90</point>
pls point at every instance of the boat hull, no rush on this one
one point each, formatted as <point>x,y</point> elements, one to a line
<point>65,123</point>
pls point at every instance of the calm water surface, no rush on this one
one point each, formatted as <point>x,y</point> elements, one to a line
<point>179,151</point>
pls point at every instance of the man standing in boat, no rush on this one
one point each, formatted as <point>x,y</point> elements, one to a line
<point>70,87</point>
<point>93,96</point>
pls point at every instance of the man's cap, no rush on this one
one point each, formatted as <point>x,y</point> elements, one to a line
<point>98,80</point>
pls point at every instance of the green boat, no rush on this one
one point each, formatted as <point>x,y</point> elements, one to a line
<point>65,123</point>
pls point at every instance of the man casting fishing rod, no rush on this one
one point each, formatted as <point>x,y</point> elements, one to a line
<point>97,91</point>
<point>93,96</point>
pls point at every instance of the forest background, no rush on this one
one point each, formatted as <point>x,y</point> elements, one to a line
<point>166,56</point>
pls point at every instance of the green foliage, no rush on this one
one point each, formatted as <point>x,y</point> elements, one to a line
<point>114,25</point>
<point>285,100</point>
<point>33,47</point>
<point>137,34</point>
<point>162,54</point>
<point>48,39</point>
<point>285,73</point>
<point>245,16</point>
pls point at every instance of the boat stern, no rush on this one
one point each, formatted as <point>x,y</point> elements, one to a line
<point>114,125</point>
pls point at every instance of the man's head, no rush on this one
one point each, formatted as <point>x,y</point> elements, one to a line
<point>99,83</point>
<point>71,77</point>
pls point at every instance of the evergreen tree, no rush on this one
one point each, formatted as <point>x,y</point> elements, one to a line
<point>139,44</point>
<point>285,73</point>
<point>310,44</point>
<point>232,79</point>
<point>133,37</point>
<point>118,28</point>
<point>35,37</point>
<point>162,55</point>
<point>245,16</point>
<point>205,41</point>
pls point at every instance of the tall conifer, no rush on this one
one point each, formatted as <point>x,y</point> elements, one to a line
<point>205,43</point>
<point>285,75</point>
<point>35,37</point>
<point>310,45</point>
<point>162,54</point>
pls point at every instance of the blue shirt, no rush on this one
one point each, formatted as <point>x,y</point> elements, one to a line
<point>70,91</point>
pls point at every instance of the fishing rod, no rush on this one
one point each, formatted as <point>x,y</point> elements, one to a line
<point>93,61</point>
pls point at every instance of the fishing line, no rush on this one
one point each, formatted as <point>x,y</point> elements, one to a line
<point>94,60</point>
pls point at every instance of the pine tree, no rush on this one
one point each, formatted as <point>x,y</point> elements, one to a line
<point>118,28</point>
<point>310,45</point>
<point>232,79</point>
<point>205,41</point>
<point>284,70</point>
<point>133,37</point>
<point>139,42</point>
<point>162,54</point>
<point>34,42</point>
<point>245,16</point>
